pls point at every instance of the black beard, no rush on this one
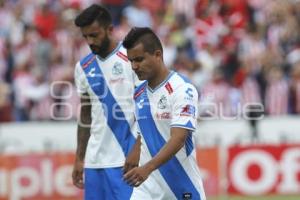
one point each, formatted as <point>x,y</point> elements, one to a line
<point>101,50</point>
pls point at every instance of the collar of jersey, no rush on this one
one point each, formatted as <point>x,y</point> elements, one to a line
<point>162,83</point>
<point>112,53</point>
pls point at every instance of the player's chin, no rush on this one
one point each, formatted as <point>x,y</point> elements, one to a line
<point>94,51</point>
<point>141,77</point>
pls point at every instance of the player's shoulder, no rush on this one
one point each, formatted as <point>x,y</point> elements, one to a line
<point>180,82</point>
<point>83,63</point>
<point>183,88</point>
<point>120,59</point>
<point>86,60</point>
<point>140,89</point>
<point>121,53</point>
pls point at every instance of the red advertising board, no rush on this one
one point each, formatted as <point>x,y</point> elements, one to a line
<point>252,170</point>
<point>264,169</point>
<point>209,162</point>
<point>37,177</point>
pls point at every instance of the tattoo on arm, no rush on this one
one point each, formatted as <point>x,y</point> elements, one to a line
<point>84,127</point>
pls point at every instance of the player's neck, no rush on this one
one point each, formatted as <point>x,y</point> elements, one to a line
<point>112,46</point>
<point>161,76</point>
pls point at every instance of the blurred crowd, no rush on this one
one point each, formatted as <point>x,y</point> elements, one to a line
<point>236,52</point>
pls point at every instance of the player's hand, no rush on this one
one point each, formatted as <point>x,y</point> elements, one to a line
<point>136,176</point>
<point>77,174</point>
<point>133,158</point>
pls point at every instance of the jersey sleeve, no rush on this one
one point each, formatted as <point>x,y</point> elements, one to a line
<point>184,107</point>
<point>80,80</point>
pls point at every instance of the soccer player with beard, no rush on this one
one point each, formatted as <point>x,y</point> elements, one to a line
<point>106,129</point>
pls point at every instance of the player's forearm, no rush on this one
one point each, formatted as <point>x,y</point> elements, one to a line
<point>169,150</point>
<point>83,135</point>
<point>84,127</point>
<point>136,149</point>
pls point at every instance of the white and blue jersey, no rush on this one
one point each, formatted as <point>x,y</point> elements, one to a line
<point>171,104</point>
<point>110,83</point>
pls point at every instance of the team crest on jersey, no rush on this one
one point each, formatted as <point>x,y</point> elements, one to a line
<point>117,69</point>
<point>162,103</point>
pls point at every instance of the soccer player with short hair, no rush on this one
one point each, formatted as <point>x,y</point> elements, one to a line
<point>105,135</point>
<point>166,110</point>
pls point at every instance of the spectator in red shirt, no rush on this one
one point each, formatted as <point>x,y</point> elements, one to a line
<point>45,21</point>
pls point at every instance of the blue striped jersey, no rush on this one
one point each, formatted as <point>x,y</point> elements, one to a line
<point>173,103</point>
<point>110,83</point>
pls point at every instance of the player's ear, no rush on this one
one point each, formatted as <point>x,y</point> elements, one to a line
<point>158,54</point>
<point>110,29</point>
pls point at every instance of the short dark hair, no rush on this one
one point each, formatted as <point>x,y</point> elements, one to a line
<point>92,13</point>
<point>145,36</point>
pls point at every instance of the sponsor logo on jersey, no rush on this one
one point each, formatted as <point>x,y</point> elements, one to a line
<point>162,103</point>
<point>187,196</point>
<point>95,85</point>
<point>92,73</point>
<point>140,104</point>
<point>118,80</point>
<point>164,115</point>
<point>117,69</point>
<point>189,95</point>
<point>188,110</point>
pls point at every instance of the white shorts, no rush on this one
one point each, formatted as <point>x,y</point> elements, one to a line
<point>155,188</point>
<point>152,189</point>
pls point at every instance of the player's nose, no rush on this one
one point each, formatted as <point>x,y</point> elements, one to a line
<point>90,40</point>
<point>135,65</point>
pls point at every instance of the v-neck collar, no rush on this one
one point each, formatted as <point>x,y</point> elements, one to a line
<point>161,84</point>
<point>111,53</point>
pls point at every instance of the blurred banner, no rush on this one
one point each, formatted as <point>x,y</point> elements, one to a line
<point>264,169</point>
<point>251,170</point>
<point>37,177</point>
<point>48,176</point>
<point>209,162</point>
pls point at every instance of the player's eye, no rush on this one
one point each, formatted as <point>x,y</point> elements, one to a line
<point>139,59</point>
<point>93,35</point>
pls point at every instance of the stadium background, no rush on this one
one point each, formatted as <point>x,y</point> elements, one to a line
<point>236,52</point>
